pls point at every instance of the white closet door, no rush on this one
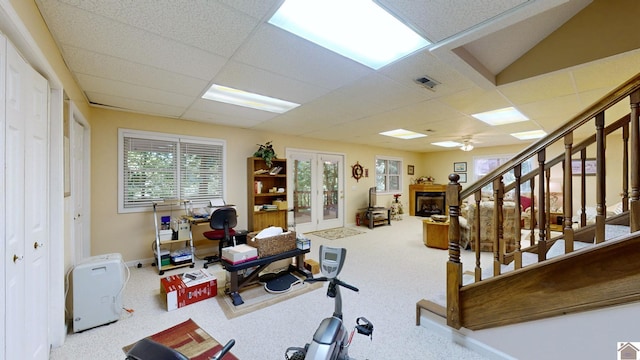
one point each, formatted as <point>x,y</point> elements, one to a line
<point>15,325</point>
<point>3,191</point>
<point>26,211</point>
<point>36,198</point>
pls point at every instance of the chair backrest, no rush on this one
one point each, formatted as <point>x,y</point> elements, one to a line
<point>223,218</point>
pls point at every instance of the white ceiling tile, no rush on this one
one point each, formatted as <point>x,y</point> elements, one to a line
<point>280,52</point>
<point>441,19</point>
<point>159,56</point>
<point>135,105</point>
<point>92,84</point>
<point>98,34</point>
<point>117,69</point>
<point>233,111</point>
<point>259,81</point>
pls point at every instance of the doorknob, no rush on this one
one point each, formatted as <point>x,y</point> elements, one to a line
<point>36,245</point>
<point>17,258</point>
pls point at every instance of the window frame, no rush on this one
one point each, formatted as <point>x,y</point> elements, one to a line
<point>386,175</point>
<point>178,141</point>
<point>502,158</point>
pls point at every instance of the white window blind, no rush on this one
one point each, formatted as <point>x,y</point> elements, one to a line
<point>201,171</point>
<point>155,167</point>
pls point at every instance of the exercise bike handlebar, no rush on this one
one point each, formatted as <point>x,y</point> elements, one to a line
<point>335,281</point>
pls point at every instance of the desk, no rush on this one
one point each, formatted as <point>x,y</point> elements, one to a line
<point>237,281</point>
<point>435,234</point>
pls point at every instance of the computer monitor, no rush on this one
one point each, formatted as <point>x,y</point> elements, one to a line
<point>372,197</point>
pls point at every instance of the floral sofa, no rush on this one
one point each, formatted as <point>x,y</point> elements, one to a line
<point>468,228</point>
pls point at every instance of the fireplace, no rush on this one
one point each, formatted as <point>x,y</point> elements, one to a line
<point>427,199</point>
<point>430,203</point>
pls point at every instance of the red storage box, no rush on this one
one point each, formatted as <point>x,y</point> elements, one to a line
<point>181,290</point>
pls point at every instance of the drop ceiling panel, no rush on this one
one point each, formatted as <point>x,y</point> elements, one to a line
<point>220,119</point>
<point>211,20</point>
<point>239,112</point>
<point>96,33</point>
<point>442,19</point>
<point>107,67</point>
<point>135,105</point>
<point>159,56</point>
<point>259,81</point>
<point>280,52</point>
<point>475,101</point>
<point>377,94</point>
<point>92,84</point>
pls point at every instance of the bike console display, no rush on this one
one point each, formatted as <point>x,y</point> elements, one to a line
<point>331,260</point>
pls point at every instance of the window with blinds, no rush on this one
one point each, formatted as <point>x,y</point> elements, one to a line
<point>388,174</point>
<point>154,166</point>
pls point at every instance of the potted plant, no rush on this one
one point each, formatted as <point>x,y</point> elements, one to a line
<point>266,153</point>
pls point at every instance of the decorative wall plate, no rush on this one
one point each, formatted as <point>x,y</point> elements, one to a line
<point>357,171</point>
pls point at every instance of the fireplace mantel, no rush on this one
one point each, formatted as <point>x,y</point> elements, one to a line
<point>423,188</point>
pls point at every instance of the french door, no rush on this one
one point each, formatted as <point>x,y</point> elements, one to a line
<point>316,187</point>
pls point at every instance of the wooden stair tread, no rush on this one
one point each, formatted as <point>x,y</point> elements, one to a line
<point>430,306</point>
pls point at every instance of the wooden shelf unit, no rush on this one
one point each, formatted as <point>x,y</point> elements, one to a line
<point>258,220</point>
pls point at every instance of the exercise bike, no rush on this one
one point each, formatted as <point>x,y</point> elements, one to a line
<point>331,340</point>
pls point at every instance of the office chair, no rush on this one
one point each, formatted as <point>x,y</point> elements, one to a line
<point>222,222</point>
<point>147,349</point>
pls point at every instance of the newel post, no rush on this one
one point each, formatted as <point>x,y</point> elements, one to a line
<point>454,266</point>
<point>634,208</point>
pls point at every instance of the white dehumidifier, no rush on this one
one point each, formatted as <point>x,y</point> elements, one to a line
<point>97,284</point>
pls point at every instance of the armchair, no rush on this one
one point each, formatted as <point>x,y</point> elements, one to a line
<point>469,228</point>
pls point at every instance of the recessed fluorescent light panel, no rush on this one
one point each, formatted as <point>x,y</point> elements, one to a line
<point>358,29</point>
<point>242,98</point>
<point>504,116</point>
<point>403,134</point>
<point>447,144</point>
<point>529,135</point>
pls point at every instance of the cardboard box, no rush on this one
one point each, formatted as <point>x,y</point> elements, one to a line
<point>312,266</point>
<point>180,290</point>
<point>281,204</point>
<point>239,254</point>
<point>165,235</point>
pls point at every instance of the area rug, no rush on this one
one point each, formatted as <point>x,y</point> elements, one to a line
<point>189,339</point>
<point>256,298</point>
<point>337,233</point>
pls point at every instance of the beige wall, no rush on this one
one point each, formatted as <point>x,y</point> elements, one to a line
<point>132,234</point>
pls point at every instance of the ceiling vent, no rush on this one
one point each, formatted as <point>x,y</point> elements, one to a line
<point>427,82</point>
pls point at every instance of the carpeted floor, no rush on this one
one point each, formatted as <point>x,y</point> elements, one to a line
<point>389,264</point>
<point>337,233</point>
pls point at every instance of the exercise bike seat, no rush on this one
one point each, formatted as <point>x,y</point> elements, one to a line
<point>328,331</point>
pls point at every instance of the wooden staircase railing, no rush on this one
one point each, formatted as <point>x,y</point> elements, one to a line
<point>560,285</point>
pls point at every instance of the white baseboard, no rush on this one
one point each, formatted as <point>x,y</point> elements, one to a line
<point>437,324</point>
